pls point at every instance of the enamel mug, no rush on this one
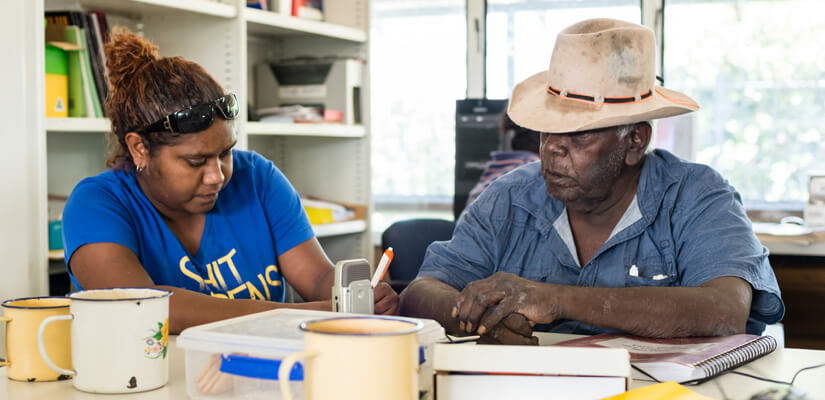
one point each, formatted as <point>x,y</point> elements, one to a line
<point>23,318</point>
<point>363,358</point>
<point>119,339</point>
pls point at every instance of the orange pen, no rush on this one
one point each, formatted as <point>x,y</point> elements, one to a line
<point>386,259</point>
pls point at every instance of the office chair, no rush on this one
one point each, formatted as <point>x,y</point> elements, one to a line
<point>409,240</point>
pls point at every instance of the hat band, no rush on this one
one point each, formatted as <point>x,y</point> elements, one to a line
<point>606,100</point>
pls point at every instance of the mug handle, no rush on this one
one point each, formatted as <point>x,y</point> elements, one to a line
<point>286,367</point>
<point>4,363</point>
<point>42,347</point>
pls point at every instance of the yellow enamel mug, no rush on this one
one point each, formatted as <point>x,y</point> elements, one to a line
<point>119,339</point>
<point>363,358</point>
<point>23,318</point>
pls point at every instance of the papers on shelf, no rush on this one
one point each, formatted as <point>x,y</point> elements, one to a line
<point>289,114</point>
<point>324,212</point>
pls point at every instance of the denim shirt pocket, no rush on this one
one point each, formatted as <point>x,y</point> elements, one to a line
<point>530,272</point>
<point>650,271</point>
<point>535,276</point>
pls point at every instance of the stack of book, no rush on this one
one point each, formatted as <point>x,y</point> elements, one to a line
<point>309,9</point>
<point>482,372</point>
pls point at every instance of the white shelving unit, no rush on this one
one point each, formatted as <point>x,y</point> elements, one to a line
<point>329,161</point>
<point>339,228</point>
<point>85,125</point>
<point>139,8</point>
<point>317,130</point>
<point>271,24</point>
<point>323,231</point>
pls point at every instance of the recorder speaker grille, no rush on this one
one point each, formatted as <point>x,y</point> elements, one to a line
<point>351,273</point>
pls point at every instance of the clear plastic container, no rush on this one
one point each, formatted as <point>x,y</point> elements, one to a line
<point>238,358</point>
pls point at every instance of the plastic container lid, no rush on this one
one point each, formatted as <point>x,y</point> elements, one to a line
<point>274,333</point>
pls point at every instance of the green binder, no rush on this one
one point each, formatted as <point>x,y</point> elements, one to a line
<point>77,98</point>
<point>92,106</point>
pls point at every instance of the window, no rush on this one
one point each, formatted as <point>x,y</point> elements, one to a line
<point>418,57</point>
<point>521,34</point>
<point>756,69</point>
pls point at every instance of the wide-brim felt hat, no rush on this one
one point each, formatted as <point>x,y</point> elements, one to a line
<point>602,73</point>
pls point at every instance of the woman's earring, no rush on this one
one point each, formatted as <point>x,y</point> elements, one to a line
<point>138,168</point>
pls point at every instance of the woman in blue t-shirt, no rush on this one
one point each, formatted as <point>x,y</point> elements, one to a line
<point>179,208</point>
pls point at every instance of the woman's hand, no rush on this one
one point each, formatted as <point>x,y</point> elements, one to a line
<point>386,300</point>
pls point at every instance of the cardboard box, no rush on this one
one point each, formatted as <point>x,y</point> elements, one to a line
<point>816,188</point>
<point>360,210</point>
<point>354,14</point>
<point>814,215</point>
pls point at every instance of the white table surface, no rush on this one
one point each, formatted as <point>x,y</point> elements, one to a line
<point>799,245</point>
<point>779,365</point>
<point>175,389</point>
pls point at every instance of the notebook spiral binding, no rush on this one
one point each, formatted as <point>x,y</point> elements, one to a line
<point>737,356</point>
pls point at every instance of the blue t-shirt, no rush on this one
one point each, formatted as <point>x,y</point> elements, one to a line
<point>687,226</point>
<point>257,217</point>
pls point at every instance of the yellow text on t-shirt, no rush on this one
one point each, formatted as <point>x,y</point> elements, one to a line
<point>217,285</point>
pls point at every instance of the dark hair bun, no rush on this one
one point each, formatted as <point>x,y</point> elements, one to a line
<point>126,53</point>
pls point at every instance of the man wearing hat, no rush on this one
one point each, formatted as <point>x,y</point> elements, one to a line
<point>601,235</point>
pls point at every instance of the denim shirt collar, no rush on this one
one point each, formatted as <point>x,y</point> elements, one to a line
<point>654,181</point>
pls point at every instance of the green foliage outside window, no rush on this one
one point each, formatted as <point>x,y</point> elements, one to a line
<point>757,68</point>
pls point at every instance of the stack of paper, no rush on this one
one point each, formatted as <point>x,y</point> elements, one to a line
<point>324,212</point>
<point>479,372</point>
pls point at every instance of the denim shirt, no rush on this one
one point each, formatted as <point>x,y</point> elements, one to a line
<point>687,226</point>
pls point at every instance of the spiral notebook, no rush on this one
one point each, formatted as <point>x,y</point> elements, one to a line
<point>683,360</point>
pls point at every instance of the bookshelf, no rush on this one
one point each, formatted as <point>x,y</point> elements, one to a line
<point>329,161</point>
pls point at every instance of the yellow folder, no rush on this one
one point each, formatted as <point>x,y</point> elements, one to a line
<point>57,83</point>
<point>660,391</point>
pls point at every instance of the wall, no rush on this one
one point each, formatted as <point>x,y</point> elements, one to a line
<point>22,175</point>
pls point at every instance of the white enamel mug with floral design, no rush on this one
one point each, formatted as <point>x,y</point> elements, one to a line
<point>119,339</point>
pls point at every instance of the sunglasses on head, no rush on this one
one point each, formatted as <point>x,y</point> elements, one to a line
<point>197,118</point>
